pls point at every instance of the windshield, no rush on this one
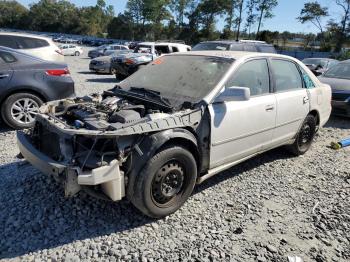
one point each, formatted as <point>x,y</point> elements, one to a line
<point>341,70</point>
<point>211,46</point>
<point>315,61</point>
<point>180,78</point>
<point>143,49</point>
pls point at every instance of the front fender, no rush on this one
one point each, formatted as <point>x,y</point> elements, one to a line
<point>148,148</point>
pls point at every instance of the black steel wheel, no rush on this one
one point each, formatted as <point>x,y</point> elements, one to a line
<point>305,136</point>
<point>166,182</point>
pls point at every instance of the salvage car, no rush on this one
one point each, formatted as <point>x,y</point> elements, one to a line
<point>161,130</point>
<point>102,64</point>
<point>26,82</point>
<point>144,53</point>
<point>319,65</point>
<point>233,45</point>
<point>338,77</point>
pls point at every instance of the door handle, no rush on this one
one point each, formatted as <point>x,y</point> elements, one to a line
<point>305,99</point>
<point>269,108</point>
<point>4,76</point>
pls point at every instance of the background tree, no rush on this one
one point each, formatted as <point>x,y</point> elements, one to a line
<point>251,16</point>
<point>265,7</point>
<point>313,12</point>
<point>11,14</point>
<point>344,23</point>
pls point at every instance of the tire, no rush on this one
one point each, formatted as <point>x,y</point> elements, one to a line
<point>22,105</point>
<point>165,183</point>
<point>304,137</point>
<point>77,53</point>
<point>112,71</point>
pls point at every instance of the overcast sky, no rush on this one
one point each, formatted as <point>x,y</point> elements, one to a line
<point>284,19</point>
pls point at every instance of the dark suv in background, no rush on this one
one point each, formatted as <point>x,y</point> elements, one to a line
<point>26,82</point>
<point>232,45</point>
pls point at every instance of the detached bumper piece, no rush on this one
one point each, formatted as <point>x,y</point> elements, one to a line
<point>109,177</point>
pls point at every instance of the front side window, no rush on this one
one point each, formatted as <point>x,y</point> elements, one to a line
<point>286,75</point>
<point>253,74</point>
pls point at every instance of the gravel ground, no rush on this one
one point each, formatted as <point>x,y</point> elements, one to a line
<point>266,209</point>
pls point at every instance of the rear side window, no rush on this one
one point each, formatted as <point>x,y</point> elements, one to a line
<point>7,57</point>
<point>236,47</point>
<point>8,41</point>
<point>286,75</point>
<point>29,43</point>
<point>266,49</point>
<point>253,74</point>
<point>250,48</point>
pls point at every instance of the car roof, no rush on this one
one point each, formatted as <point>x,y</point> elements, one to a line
<point>25,35</point>
<point>321,58</point>
<point>234,54</point>
<point>237,42</point>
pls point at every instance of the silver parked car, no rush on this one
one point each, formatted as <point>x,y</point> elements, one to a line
<point>176,122</point>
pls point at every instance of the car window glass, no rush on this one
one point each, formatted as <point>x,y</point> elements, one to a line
<point>266,49</point>
<point>211,46</point>
<point>7,57</point>
<point>341,70</point>
<point>29,43</point>
<point>8,41</point>
<point>307,79</point>
<point>236,47</point>
<point>286,75</point>
<point>124,48</point>
<point>175,49</point>
<point>253,74</point>
<point>250,48</point>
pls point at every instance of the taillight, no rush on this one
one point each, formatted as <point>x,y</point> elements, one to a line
<point>58,72</point>
<point>129,61</point>
<point>59,51</point>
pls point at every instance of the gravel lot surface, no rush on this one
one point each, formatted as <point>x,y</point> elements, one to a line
<point>266,209</point>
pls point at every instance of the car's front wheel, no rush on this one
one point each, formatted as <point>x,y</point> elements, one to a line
<point>77,53</point>
<point>19,110</point>
<point>166,182</point>
<point>305,136</point>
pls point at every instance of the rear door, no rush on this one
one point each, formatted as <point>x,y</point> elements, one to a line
<point>5,69</point>
<point>291,97</point>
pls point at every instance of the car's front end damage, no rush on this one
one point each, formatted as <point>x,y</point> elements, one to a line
<point>87,143</point>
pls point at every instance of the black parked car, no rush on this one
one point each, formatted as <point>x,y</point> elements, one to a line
<point>232,45</point>
<point>26,82</point>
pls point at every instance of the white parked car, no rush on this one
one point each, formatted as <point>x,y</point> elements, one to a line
<point>35,45</point>
<point>176,122</point>
<point>70,50</point>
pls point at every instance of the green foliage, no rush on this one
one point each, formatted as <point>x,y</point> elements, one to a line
<point>12,14</point>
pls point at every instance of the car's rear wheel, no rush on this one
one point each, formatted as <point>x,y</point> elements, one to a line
<point>113,71</point>
<point>305,136</point>
<point>19,110</point>
<point>77,53</point>
<point>166,182</point>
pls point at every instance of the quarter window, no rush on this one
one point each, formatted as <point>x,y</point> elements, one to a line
<point>286,75</point>
<point>307,79</point>
<point>253,74</point>
<point>7,57</point>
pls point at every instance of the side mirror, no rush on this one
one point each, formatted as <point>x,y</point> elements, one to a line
<point>233,93</point>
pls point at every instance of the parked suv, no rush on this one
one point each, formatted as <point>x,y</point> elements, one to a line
<point>177,122</point>
<point>34,45</point>
<point>26,82</point>
<point>241,45</point>
<point>126,64</point>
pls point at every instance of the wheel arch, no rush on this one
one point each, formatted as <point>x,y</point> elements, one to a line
<point>153,144</point>
<point>23,90</point>
<point>316,115</point>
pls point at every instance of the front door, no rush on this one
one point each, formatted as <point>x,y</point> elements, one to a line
<point>242,128</point>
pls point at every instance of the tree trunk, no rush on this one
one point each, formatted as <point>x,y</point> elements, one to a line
<point>260,20</point>
<point>239,19</point>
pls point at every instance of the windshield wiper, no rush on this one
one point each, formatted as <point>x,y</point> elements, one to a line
<point>150,92</point>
